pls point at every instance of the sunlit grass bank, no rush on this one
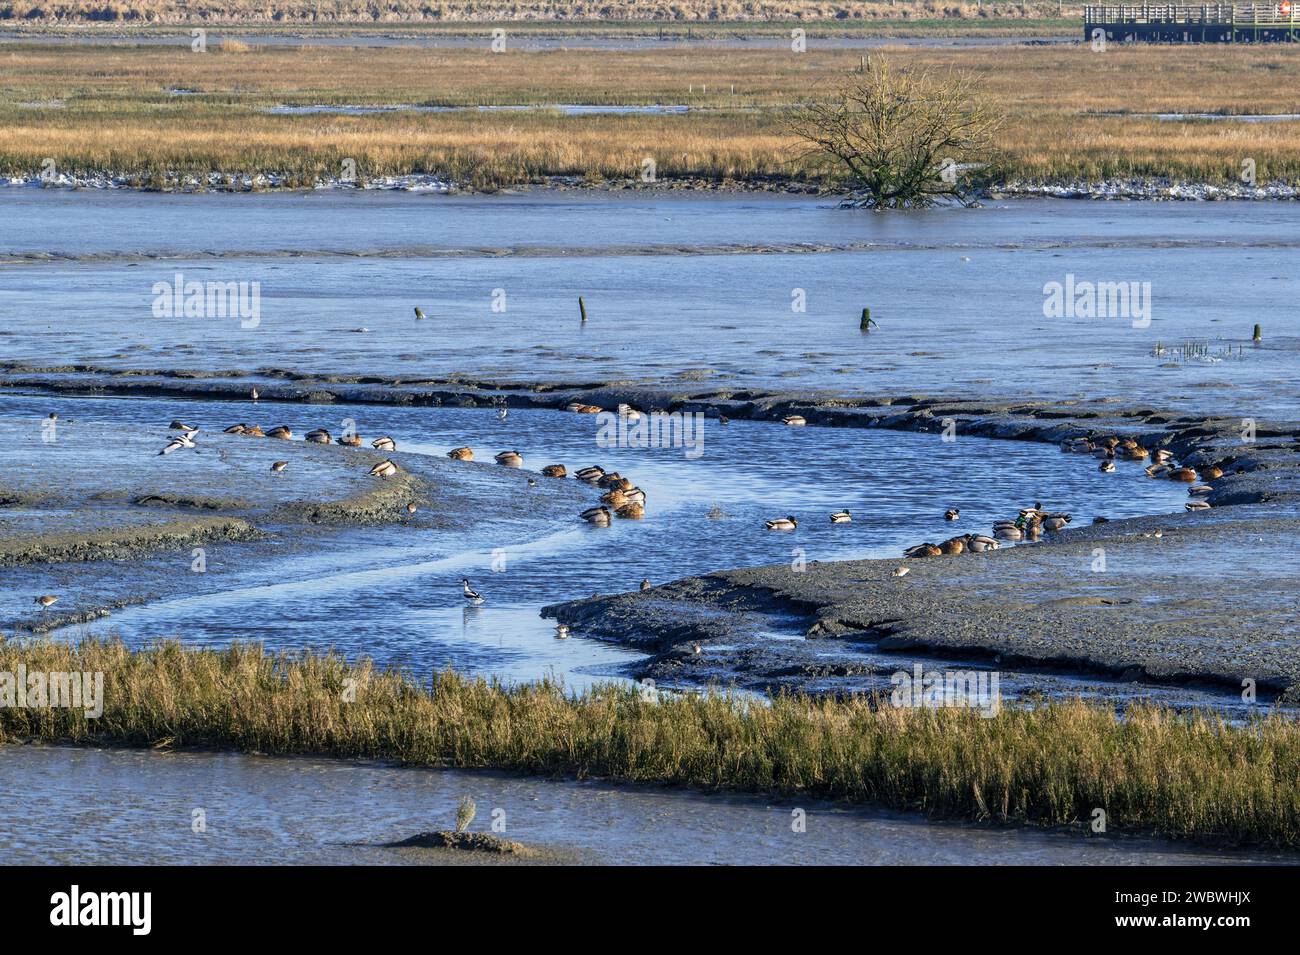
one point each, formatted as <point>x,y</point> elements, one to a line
<point>116,109</point>
<point>1183,776</point>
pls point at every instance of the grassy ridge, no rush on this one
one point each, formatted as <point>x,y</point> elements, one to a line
<point>1183,776</point>
<point>108,109</point>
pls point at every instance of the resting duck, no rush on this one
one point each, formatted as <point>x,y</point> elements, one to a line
<point>953,545</point>
<point>1197,505</point>
<point>794,420</point>
<point>1055,522</point>
<point>923,550</point>
<point>1200,489</point>
<point>1106,467</point>
<point>1007,531</point>
<point>278,466</point>
<point>781,524</point>
<point>319,436</point>
<point>350,440</point>
<point>554,471</point>
<point>841,517</point>
<point>591,475</point>
<point>599,516</point>
<point>633,512</point>
<point>614,499</point>
<point>608,479</point>
<point>1157,470</point>
<point>1183,474</point>
<point>384,468</point>
<point>384,444</point>
<point>510,459</point>
<point>580,408</point>
<point>235,429</point>
<point>1211,472</point>
<point>952,514</point>
<point>979,543</point>
<point>461,454</point>
<point>281,433</point>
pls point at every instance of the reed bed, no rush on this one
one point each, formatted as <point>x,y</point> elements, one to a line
<point>1189,776</point>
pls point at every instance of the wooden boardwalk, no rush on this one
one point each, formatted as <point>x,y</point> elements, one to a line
<point>1211,23</point>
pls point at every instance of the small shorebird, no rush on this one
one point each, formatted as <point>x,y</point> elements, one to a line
<point>599,516</point>
<point>384,444</point>
<point>952,514</point>
<point>554,471</point>
<point>645,584</point>
<point>794,420</point>
<point>419,314</point>
<point>461,454</point>
<point>280,432</point>
<point>841,517</point>
<point>319,436</point>
<point>384,468</point>
<point>471,594</point>
<point>723,419</point>
<point>411,508</point>
<point>781,524</point>
<point>279,466</point>
<point>510,459</point>
<point>561,632</point>
<point>46,600</point>
<point>696,649</point>
<point>503,413</point>
<point>532,482</point>
<point>901,571</point>
<point>178,443</point>
<point>1106,467</point>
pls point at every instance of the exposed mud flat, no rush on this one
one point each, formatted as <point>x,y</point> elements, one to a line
<point>1211,601</point>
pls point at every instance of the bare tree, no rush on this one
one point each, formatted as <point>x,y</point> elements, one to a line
<point>897,138</point>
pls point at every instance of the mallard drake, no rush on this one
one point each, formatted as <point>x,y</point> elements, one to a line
<point>278,466</point>
<point>634,495</point>
<point>319,436</point>
<point>46,600</point>
<point>953,545</point>
<point>599,516</point>
<point>781,524</point>
<point>979,543</point>
<point>280,432</point>
<point>235,429</point>
<point>923,550</point>
<point>633,512</point>
<point>510,459</point>
<point>841,517</point>
<point>952,514</point>
<point>1055,522</point>
<point>1197,505</point>
<point>384,468</point>
<point>350,440</point>
<point>174,426</point>
<point>384,444</point>
<point>1210,472</point>
<point>591,474</point>
<point>1200,489</point>
<point>554,471</point>
<point>1106,467</point>
<point>461,454</point>
<point>1157,470</point>
<point>1183,474</point>
<point>1008,531</point>
<point>794,420</point>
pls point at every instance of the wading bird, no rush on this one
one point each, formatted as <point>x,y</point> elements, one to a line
<point>471,595</point>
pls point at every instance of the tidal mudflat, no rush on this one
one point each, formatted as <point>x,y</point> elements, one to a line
<point>744,308</point>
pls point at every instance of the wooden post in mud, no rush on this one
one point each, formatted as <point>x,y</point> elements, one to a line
<point>582,309</point>
<point>1259,334</point>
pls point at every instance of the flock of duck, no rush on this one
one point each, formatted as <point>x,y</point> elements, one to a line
<point>1032,521</point>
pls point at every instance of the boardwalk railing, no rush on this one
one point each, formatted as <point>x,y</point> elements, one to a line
<point>1219,21</point>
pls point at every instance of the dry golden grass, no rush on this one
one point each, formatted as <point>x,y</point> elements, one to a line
<point>117,114</point>
<point>1186,776</point>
